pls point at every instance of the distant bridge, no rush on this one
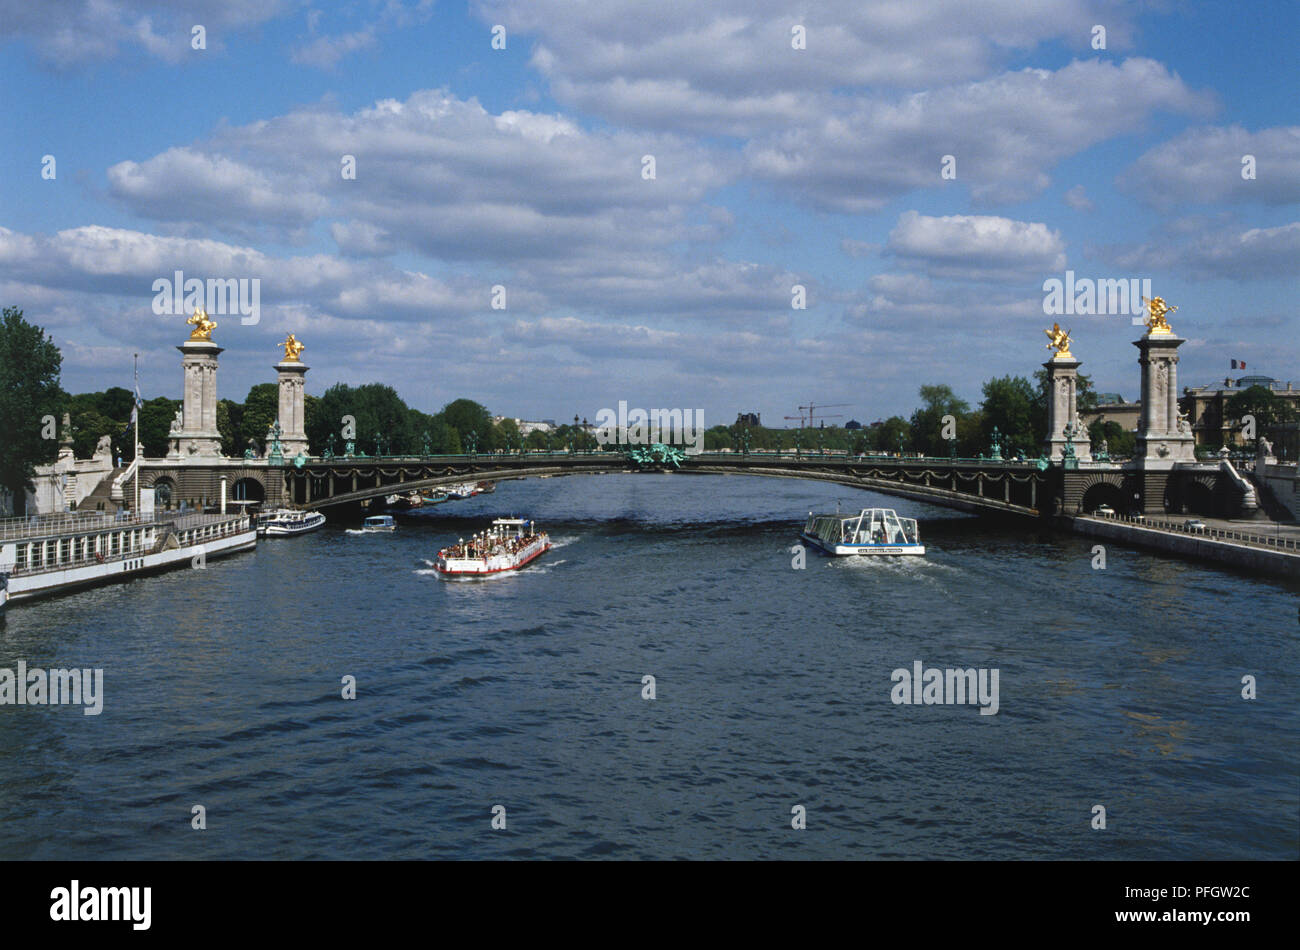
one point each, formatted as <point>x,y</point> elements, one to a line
<point>1032,488</point>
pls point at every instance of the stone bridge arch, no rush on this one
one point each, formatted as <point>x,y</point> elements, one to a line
<point>1199,493</point>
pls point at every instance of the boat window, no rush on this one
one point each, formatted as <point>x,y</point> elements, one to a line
<point>21,557</point>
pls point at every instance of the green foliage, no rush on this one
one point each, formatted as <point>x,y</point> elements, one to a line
<point>156,417</point>
<point>1119,441</point>
<point>261,409</point>
<point>1016,408</point>
<point>466,416</point>
<point>507,435</point>
<point>230,415</point>
<point>29,391</point>
<point>927,422</point>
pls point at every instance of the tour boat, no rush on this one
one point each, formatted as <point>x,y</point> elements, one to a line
<point>284,522</point>
<point>507,545</point>
<point>379,523</point>
<point>468,490</point>
<point>50,554</point>
<point>875,531</point>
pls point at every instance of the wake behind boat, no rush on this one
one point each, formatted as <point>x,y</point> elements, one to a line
<point>875,531</point>
<point>506,546</point>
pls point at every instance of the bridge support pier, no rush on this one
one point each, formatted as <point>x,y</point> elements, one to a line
<point>1063,425</point>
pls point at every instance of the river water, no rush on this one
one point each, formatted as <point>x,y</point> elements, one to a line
<point>1119,687</point>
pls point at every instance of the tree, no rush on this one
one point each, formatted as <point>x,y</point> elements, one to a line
<point>1011,404</point>
<point>507,434</point>
<point>230,415</point>
<point>927,422</point>
<point>891,434</point>
<point>261,410</point>
<point>156,417</point>
<point>29,397</point>
<point>1119,441</point>
<point>466,416</point>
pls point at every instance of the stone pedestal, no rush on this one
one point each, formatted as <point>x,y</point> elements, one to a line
<point>198,436</point>
<point>1063,424</point>
<point>293,420</point>
<point>1163,438</point>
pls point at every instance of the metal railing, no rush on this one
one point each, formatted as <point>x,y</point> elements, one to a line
<point>1210,533</point>
<point>36,526</point>
<point>227,525</point>
<point>189,521</point>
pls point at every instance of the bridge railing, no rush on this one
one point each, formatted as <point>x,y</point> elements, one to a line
<point>804,455</point>
<point>1217,534</point>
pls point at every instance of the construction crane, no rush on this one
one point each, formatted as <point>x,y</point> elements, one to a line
<point>811,409</point>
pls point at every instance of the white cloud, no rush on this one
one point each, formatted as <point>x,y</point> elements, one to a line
<point>183,185</point>
<point>976,247</point>
<point>71,33</point>
<point>729,66</point>
<point>1232,254</point>
<point>324,52</point>
<point>855,155</point>
<point>1078,199</point>
<point>1204,165</point>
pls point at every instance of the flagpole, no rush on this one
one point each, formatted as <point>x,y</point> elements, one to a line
<point>136,397</point>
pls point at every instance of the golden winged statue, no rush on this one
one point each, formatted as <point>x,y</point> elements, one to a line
<point>292,349</point>
<point>1157,307</point>
<point>203,327</point>
<point>1060,341</point>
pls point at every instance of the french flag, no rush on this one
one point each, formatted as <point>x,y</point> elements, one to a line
<point>1238,364</point>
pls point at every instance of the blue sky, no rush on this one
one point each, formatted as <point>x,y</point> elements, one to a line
<point>775,166</point>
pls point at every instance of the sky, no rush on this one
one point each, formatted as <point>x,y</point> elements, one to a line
<point>919,168</point>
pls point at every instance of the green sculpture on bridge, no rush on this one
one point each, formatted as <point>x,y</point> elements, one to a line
<point>655,455</point>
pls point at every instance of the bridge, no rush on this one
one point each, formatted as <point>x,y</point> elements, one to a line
<point>1164,476</point>
<point>1027,488</point>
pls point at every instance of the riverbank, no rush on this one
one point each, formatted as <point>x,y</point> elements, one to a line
<point>1242,549</point>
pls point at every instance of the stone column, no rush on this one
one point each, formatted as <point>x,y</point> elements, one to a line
<point>293,421</point>
<point>198,435</point>
<point>1062,409</point>
<point>1162,437</point>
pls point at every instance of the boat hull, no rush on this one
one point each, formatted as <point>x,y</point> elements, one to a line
<point>498,564</point>
<point>273,530</point>
<point>864,550</point>
<point>23,587</point>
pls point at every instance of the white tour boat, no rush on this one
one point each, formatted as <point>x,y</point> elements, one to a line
<point>875,531</point>
<point>284,522</point>
<point>51,554</point>
<point>379,523</point>
<point>506,546</point>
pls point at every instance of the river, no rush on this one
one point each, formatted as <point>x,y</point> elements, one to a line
<point>773,694</point>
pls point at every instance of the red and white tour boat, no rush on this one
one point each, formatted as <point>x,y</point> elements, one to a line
<point>506,546</point>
